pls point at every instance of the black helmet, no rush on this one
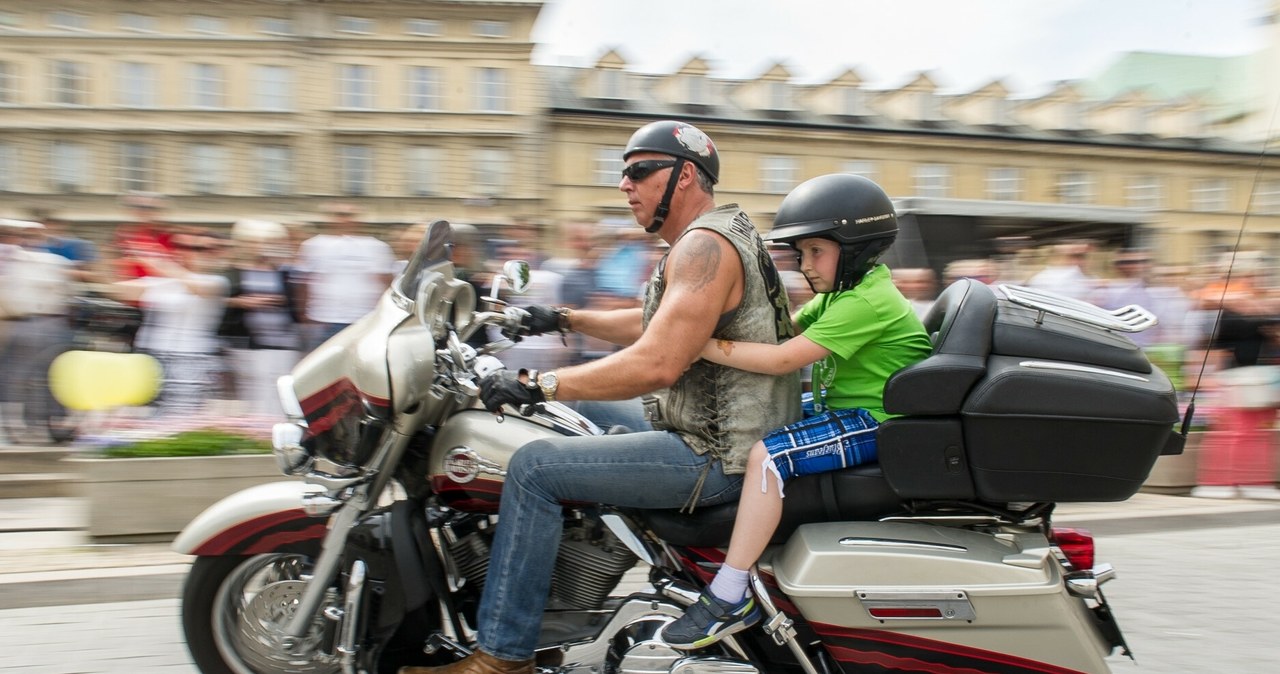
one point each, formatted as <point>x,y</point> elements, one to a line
<point>678,140</point>
<point>848,209</point>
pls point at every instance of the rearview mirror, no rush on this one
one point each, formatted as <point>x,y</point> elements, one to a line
<point>518,275</point>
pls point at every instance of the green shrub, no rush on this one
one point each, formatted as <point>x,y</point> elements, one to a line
<point>205,442</point>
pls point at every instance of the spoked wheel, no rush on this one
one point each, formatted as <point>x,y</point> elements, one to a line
<point>234,610</point>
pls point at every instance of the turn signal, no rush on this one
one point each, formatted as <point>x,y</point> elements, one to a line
<point>1076,546</point>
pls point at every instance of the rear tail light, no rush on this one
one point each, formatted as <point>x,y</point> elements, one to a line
<point>1076,545</point>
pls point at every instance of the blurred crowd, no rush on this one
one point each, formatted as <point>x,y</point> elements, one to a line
<point>226,312</point>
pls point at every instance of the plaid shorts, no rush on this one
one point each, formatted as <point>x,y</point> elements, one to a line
<point>830,441</point>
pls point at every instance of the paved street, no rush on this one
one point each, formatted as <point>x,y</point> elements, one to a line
<point>1196,593</point>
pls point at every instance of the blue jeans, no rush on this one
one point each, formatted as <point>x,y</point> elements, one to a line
<point>646,469</point>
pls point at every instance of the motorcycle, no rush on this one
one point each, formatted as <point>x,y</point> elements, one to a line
<point>941,558</point>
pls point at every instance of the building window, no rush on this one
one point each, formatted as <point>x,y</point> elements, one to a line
<point>490,29</point>
<point>64,20</point>
<point>424,88</point>
<point>1075,187</point>
<point>1004,184</point>
<point>779,96</point>
<point>423,27</point>
<point>355,86</point>
<point>862,167</point>
<point>423,167</point>
<point>1266,200</point>
<point>696,90</point>
<point>778,174</point>
<point>607,171</point>
<point>1145,191</point>
<point>208,88</point>
<point>206,168</point>
<point>854,102</point>
<point>1209,195</point>
<point>8,167</point>
<point>490,172</point>
<point>355,169</point>
<point>8,83</point>
<point>69,166</point>
<point>933,180</point>
<point>70,83</point>
<point>273,88</point>
<point>355,25</point>
<point>491,90</point>
<point>609,84</point>
<point>208,25</point>
<point>136,85</point>
<point>274,25</point>
<point>136,23</point>
<point>274,165</point>
<point>137,166</point>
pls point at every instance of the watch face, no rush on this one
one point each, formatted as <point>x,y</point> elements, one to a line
<point>548,383</point>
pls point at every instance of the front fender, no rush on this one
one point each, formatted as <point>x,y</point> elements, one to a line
<point>265,518</point>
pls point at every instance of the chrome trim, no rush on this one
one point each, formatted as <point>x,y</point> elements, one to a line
<point>851,541</point>
<point>1085,583</point>
<point>349,630</point>
<point>292,458</point>
<point>1072,367</point>
<point>1130,318</point>
<point>951,604</point>
<point>777,625</point>
<point>711,664</point>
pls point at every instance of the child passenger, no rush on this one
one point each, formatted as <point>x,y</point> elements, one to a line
<point>856,331</point>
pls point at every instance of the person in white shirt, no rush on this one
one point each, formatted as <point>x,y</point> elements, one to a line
<point>1064,274</point>
<point>345,271</point>
<point>182,306</point>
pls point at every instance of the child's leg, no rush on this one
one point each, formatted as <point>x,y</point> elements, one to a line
<point>759,511</point>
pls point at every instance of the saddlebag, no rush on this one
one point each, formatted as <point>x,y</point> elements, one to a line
<point>1017,405</point>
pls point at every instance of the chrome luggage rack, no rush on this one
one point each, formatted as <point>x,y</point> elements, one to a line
<point>1129,318</point>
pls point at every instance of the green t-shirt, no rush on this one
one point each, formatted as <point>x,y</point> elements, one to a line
<point>871,331</point>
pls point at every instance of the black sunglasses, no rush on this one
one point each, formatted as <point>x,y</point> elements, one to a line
<point>192,247</point>
<point>645,168</point>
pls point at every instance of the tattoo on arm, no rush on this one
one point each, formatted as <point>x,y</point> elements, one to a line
<point>699,261</point>
<point>725,346</point>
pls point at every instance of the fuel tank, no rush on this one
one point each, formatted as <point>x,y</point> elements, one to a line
<point>471,451</point>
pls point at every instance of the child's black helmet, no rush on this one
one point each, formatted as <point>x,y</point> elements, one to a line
<point>848,209</point>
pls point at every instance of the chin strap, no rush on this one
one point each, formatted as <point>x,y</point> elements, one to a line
<point>664,206</point>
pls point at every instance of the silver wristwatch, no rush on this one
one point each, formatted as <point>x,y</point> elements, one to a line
<point>548,382</point>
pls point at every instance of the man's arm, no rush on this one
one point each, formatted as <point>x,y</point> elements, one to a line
<point>616,326</point>
<point>703,280</point>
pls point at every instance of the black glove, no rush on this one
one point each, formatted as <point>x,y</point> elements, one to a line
<point>503,387</point>
<point>544,318</point>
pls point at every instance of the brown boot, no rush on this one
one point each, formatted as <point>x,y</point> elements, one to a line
<point>478,662</point>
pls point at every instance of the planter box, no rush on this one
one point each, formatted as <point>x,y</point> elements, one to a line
<point>1176,474</point>
<point>153,499</point>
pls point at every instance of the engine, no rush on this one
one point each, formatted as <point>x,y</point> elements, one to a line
<point>589,565</point>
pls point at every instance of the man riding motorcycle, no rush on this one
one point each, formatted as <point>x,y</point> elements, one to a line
<point>716,281</point>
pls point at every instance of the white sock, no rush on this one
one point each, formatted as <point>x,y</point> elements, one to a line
<point>730,584</point>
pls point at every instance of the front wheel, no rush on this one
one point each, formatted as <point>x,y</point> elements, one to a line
<point>234,610</point>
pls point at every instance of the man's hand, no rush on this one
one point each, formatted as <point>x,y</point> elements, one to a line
<point>505,387</point>
<point>544,318</point>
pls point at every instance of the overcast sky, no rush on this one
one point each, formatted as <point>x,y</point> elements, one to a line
<point>962,44</point>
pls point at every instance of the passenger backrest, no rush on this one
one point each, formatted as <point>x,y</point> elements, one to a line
<point>960,324</point>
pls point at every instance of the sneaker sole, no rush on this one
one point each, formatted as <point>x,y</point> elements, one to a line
<point>711,639</point>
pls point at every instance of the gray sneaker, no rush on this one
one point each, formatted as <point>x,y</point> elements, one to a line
<point>709,620</point>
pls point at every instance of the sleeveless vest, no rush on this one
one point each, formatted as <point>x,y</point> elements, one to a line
<point>720,409</point>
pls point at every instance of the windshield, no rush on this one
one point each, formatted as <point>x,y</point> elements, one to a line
<point>436,247</point>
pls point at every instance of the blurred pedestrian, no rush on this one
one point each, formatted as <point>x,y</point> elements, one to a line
<point>58,239</point>
<point>35,287</point>
<point>542,352</point>
<point>1129,286</point>
<point>1238,457</point>
<point>182,306</point>
<point>264,341</point>
<point>919,285</point>
<point>145,235</point>
<point>345,274</point>
<point>1064,274</point>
